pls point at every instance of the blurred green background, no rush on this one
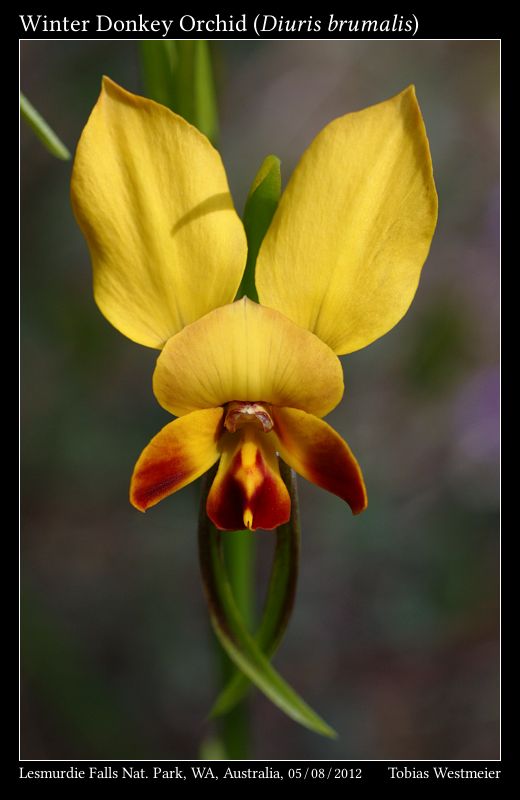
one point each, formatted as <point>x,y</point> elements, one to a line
<point>394,635</point>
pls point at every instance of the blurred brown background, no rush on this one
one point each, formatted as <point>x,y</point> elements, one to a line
<point>394,635</point>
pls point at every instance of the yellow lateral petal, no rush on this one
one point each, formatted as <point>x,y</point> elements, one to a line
<point>345,249</point>
<point>244,351</point>
<point>151,197</point>
<point>182,451</point>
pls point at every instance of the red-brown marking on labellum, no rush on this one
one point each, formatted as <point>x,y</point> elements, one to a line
<point>248,491</point>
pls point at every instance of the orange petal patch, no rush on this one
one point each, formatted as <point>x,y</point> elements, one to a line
<point>248,491</point>
<point>182,451</point>
<point>314,450</point>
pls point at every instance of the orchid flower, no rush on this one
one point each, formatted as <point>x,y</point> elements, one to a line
<point>249,382</point>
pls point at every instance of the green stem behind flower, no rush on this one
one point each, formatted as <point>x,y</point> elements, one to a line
<point>239,556</point>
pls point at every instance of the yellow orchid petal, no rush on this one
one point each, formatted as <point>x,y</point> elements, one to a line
<point>151,197</point>
<point>182,451</point>
<point>244,351</point>
<point>344,251</point>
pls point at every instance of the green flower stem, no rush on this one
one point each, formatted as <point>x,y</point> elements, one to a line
<point>42,130</point>
<point>239,556</point>
<point>279,601</point>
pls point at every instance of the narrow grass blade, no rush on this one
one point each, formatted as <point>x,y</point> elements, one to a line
<point>42,130</point>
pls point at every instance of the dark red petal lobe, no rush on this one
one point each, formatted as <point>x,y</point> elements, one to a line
<point>314,450</point>
<point>248,491</point>
<point>182,451</point>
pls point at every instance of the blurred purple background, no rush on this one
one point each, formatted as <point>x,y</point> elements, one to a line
<point>394,635</point>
